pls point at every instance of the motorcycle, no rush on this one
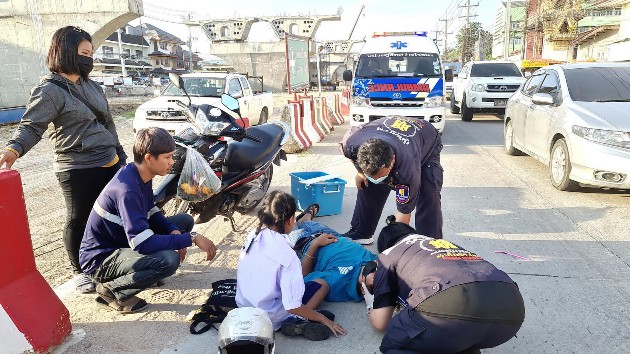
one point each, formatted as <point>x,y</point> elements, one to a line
<point>241,157</point>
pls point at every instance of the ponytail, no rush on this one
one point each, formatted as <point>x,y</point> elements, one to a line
<point>277,208</point>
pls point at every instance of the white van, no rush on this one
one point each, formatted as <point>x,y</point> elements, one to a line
<point>398,73</point>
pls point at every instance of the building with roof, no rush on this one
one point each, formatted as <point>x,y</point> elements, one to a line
<point>517,26</point>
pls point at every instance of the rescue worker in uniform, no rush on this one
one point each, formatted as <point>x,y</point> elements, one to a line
<point>402,154</point>
<point>452,301</point>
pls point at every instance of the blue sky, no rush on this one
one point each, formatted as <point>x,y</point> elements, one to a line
<point>378,15</point>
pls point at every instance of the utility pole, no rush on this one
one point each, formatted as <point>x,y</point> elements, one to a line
<point>446,33</point>
<point>467,39</point>
<point>435,40</point>
<point>508,28</point>
<point>190,51</point>
<point>122,54</point>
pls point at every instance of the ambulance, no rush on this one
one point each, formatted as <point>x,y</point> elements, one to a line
<point>398,73</point>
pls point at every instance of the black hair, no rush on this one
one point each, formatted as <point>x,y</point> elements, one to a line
<point>392,233</point>
<point>64,50</point>
<point>277,208</point>
<point>154,141</point>
<point>373,155</point>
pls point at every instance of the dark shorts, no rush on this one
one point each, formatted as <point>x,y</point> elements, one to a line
<point>310,288</point>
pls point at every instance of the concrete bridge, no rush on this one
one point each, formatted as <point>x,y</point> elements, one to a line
<point>26,29</point>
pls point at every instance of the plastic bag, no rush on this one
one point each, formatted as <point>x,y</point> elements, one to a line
<point>197,181</point>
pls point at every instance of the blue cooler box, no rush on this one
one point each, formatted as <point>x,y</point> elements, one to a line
<point>327,193</point>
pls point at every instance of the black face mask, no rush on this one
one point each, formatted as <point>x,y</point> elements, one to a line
<point>86,64</point>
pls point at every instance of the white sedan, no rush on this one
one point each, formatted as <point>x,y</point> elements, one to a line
<point>575,118</point>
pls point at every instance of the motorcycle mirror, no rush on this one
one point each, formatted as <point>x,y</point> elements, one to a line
<point>231,103</point>
<point>179,83</point>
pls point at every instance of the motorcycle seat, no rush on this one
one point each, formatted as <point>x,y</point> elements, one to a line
<point>242,155</point>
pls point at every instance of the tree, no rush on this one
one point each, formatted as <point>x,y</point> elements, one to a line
<point>470,40</point>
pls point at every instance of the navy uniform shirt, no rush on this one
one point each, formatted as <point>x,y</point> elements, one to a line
<point>414,141</point>
<point>418,267</point>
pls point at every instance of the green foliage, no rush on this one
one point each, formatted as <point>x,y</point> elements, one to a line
<point>467,38</point>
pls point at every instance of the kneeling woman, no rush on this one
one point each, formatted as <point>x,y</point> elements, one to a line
<point>269,275</point>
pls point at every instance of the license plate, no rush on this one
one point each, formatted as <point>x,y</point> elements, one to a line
<point>500,102</point>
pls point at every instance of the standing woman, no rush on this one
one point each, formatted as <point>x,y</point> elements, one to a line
<point>87,149</point>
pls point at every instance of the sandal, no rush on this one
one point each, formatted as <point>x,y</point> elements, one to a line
<point>312,209</point>
<point>131,305</point>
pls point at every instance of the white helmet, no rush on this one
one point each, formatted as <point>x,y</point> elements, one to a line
<point>246,330</point>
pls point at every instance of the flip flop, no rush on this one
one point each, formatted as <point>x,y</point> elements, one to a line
<point>312,209</point>
<point>131,305</point>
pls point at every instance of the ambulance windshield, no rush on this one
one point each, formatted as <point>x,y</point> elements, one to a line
<point>399,65</point>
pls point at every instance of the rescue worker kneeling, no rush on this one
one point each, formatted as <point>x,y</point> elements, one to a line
<point>451,300</point>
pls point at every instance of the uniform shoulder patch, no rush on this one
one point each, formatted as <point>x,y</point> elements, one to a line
<point>402,194</point>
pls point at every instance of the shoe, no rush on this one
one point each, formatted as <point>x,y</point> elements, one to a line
<point>329,315</point>
<point>358,237</point>
<point>107,300</point>
<point>83,283</point>
<point>314,331</point>
<point>312,209</point>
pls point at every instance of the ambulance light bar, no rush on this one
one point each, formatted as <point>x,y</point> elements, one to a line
<point>388,34</point>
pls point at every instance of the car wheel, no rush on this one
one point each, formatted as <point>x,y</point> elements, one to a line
<point>467,113</point>
<point>508,134</point>
<point>454,108</point>
<point>560,167</point>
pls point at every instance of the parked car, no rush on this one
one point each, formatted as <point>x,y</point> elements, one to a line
<point>484,87</point>
<point>575,118</point>
<point>203,88</point>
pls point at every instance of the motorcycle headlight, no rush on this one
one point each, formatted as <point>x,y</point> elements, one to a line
<point>434,102</point>
<point>207,127</point>
<point>609,137</point>
<point>360,101</point>
<point>478,87</point>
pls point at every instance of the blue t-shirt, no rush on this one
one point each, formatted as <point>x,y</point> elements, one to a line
<point>339,264</point>
<point>125,216</point>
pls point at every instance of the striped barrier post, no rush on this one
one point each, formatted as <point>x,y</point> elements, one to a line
<point>32,318</point>
<point>298,140</point>
<point>315,134</point>
<point>345,102</point>
<point>335,116</point>
<point>321,115</point>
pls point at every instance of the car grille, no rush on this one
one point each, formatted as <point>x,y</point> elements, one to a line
<point>166,115</point>
<point>405,102</point>
<point>502,88</point>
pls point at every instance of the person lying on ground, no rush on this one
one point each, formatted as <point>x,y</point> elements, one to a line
<point>452,301</point>
<point>326,254</point>
<point>269,276</point>
<point>128,244</point>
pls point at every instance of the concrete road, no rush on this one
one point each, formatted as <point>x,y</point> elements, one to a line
<point>575,280</point>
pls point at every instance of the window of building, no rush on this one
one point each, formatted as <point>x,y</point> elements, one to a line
<point>163,45</point>
<point>126,53</point>
<point>294,28</point>
<point>107,50</point>
<point>139,54</point>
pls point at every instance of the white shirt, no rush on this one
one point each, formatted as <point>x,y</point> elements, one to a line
<point>269,276</point>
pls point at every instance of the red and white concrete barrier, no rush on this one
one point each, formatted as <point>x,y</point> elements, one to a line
<point>336,117</point>
<point>345,102</point>
<point>297,129</point>
<point>315,134</point>
<point>32,318</point>
<point>321,115</point>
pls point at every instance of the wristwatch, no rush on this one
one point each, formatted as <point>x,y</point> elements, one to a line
<point>193,234</point>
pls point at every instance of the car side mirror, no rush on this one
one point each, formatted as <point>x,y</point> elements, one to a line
<point>448,75</point>
<point>347,75</point>
<point>543,99</point>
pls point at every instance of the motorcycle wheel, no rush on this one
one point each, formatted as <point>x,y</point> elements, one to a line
<point>256,194</point>
<point>175,206</point>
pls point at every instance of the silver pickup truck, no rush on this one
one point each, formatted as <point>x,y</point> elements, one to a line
<point>203,88</point>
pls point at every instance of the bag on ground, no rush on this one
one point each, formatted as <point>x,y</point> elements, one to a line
<point>197,181</point>
<point>221,301</point>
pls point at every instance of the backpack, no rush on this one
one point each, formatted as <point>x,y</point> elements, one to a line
<point>222,299</point>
